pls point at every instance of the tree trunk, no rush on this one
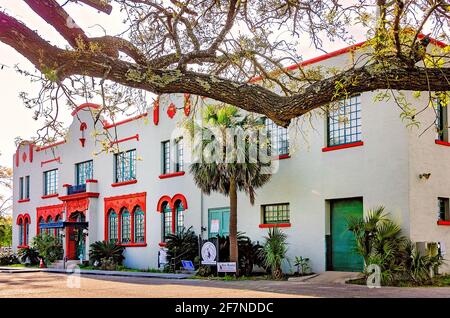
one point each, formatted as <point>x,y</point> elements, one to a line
<point>233,221</point>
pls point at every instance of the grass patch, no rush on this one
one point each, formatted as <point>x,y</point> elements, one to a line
<point>21,266</point>
<point>123,269</point>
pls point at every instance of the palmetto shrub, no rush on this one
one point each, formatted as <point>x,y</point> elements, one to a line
<point>380,242</point>
<point>107,254</point>
<point>28,255</point>
<point>181,246</point>
<point>274,251</point>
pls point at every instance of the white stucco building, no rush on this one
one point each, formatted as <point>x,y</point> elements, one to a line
<point>335,168</point>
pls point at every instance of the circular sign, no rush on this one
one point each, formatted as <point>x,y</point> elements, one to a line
<point>209,253</point>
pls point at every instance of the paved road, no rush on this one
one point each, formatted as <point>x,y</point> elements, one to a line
<point>42,284</point>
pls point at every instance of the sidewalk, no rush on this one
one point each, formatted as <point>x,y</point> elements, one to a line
<point>6,269</point>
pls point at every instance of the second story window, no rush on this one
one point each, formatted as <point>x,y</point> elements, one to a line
<point>24,188</point>
<point>51,182</point>
<point>279,138</point>
<point>344,123</point>
<point>125,166</point>
<point>84,171</point>
<point>443,212</point>
<point>165,149</point>
<point>441,120</point>
<point>179,165</point>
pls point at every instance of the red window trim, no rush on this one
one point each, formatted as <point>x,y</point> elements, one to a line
<point>270,225</point>
<point>442,222</point>
<point>442,143</point>
<point>343,146</point>
<point>50,146</point>
<point>133,244</point>
<point>162,244</point>
<point>48,196</point>
<point>123,183</point>
<point>125,139</point>
<point>23,200</point>
<point>66,185</point>
<point>171,175</point>
<point>91,181</point>
<point>284,156</point>
<point>23,246</point>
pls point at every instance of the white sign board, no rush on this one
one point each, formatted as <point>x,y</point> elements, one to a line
<point>209,254</point>
<point>215,226</point>
<point>226,267</point>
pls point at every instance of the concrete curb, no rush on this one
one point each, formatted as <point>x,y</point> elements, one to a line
<point>12,270</point>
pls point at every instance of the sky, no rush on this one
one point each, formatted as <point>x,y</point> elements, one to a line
<point>15,119</point>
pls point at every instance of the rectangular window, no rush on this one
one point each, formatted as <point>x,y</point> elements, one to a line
<point>165,148</point>
<point>167,221</point>
<point>51,182</point>
<point>279,138</point>
<point>84,171</point>
<point>275,213</point>
<point>441,121</point>
<point>27,187</point>
<point>21,193</point>
<point>344,123</point>
<point>443,205</point>
<point>179,165</point>
<point>125,166</point>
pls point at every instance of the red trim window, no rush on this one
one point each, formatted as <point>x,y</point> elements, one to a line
<point>172,214</point>
<point>344,124</point>
<point>275,215</point>
<point>128,227</point>
<point>23,222</point>
<point>441,121</point>
<point>444,211</point>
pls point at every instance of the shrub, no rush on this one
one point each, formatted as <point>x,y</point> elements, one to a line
<point>181,246</point>
<point>106,254</point>
<point>8,258</point>
<point>29,256</point>
<point>380,242</point>
<point>302,264</point>
<point>248,252</point>
<point>274,251</point>
<point>48,247</point>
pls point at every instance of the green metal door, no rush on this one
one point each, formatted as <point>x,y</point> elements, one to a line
<point>344,257</point>
<point>218,222</point>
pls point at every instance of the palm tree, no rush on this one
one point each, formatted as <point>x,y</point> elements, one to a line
<point>214,173</point>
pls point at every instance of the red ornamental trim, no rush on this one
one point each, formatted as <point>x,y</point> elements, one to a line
<point>24,157</point>
<point>51,145</point>
<point>84,106</point>
<point>108,126</point>
<point>44,212</point>
<point>156,112</point>
<point>265,226</point>
<point>187,104</point>
<point>23,200</point>
<point>58,159</point>
<point>441,222</point>
<point>82,195</point>
<point>31,146</point>
<point>125,139</point>
<point>171,175</point>
<point>17,157</point>
<point>442,143</point>
<point>91,181</point>
<point>123,183</point>
<point>83,126</point>
<point>130,202</point>
<point>172,110</point>
<point>23,219</point>
<point>171,201</point>
<point>48,196</point>
<point>344,146</point>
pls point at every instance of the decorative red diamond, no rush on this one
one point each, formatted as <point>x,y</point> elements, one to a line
<point>172,110</point>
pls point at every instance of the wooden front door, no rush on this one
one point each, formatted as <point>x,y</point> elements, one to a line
<point>343,255</point>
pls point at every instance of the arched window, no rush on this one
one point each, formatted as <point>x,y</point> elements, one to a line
<point>20,224</point>
<point>50,231</point>
<point>179,217</point>
<point>27,231</point>
<point>125,226</point>
<point>113,226</point>
<point>166,220</point>
<point>41,221</point>
<point>139,224</point>
<point>57,230</point>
